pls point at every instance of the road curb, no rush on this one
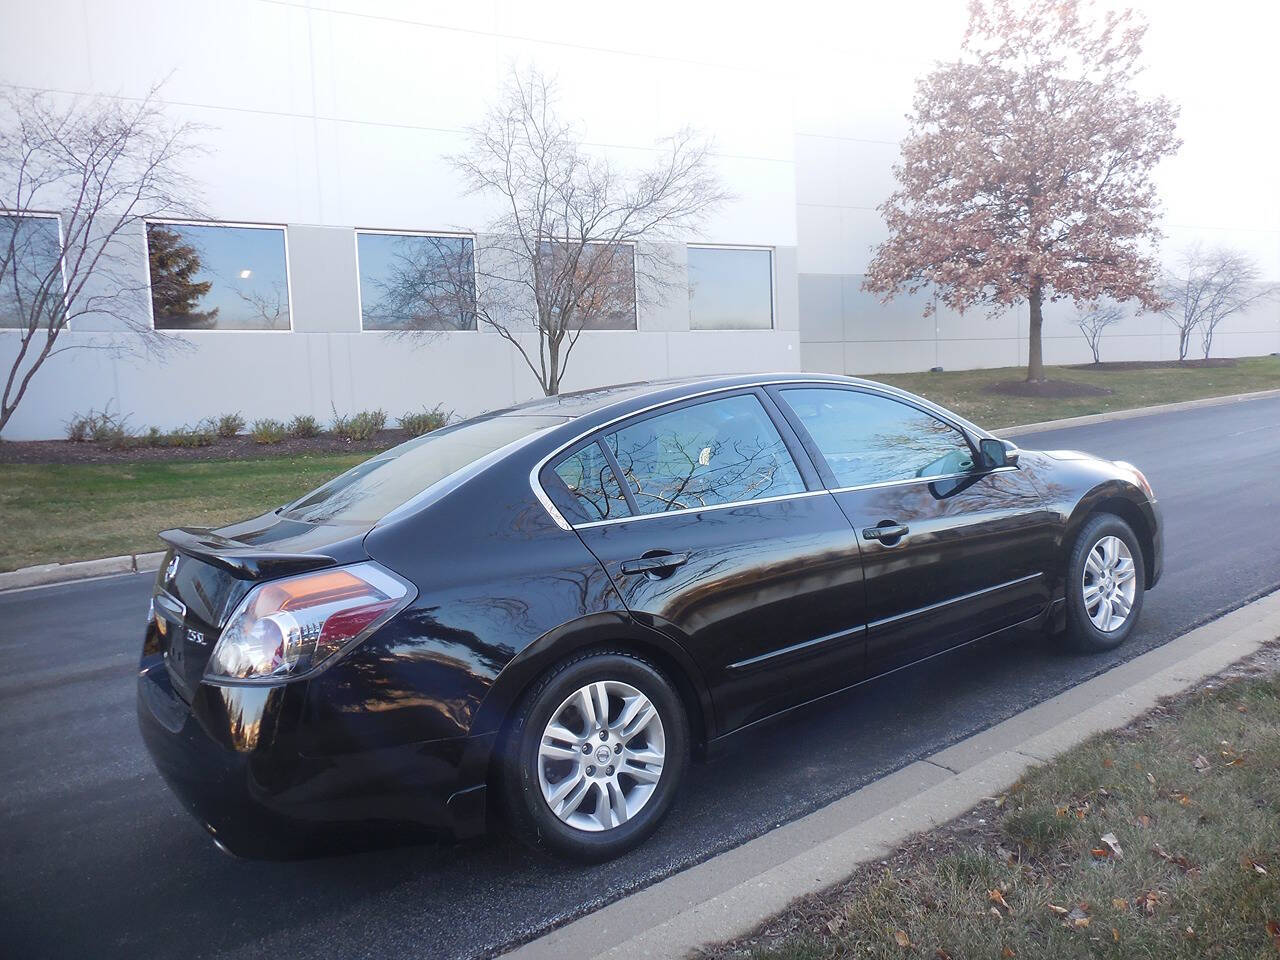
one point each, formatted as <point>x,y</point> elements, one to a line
<point>1133,413</point>
<point>730,894</point>
<point>46,573</point>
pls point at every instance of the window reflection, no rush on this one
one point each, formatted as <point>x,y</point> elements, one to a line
<point>30,271</point>
<point>415,282</point>
<point>730,289</point>
<point>595,282</point>
<point>591,480</point>
<point>213,277</point>
<point>720,451</point>
<point>872,439</point>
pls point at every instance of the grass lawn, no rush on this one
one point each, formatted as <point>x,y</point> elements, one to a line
<point>1190,796</point>
<point>963,392</point>
<point>80,511</point>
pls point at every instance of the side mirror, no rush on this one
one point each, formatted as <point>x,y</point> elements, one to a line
<point>997,453</point>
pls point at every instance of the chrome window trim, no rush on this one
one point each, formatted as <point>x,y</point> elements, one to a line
<point>710,506</point>
<point>865,387</point>
<point>913,480</point>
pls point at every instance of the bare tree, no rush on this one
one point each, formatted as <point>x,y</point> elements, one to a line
<point>1093,320</point>
<point>102,166</point>
<point>1207,287</point>
<point>577,241</point>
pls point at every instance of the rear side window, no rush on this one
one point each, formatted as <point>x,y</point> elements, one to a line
<point>593,484</point>
<point>368,492</point>
<point>866,438</point>
<point>718,451</point>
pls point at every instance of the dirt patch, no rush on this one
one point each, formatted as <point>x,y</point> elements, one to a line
<point>1045,388</point>
<point>1118,365</point>
<point>223,448</point>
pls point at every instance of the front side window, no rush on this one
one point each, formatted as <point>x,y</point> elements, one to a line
<point>595,283</point>
<point>730,289</point>
<point>30,272</point>
<point>415,282</point>
<point>866,438</point>
<point>212,277</point>
<point>718,451</point>
<point>593,484</point>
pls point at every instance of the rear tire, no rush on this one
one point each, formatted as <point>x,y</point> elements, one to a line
<point>1106,578</point>
<point>594,757</point>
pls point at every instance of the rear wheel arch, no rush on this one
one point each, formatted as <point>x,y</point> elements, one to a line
<point>597,634</point>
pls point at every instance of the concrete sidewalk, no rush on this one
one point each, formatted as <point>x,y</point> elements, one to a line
<point>730,894</point>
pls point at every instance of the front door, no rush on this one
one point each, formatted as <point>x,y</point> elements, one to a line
<point>951,551</point>
<point>721,536</point>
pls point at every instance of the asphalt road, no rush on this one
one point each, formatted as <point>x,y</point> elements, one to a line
<point>99,861</point>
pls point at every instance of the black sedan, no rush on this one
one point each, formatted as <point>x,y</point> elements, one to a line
<point>544,611</point>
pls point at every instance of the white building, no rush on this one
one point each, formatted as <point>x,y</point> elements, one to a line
<point>329,122</point>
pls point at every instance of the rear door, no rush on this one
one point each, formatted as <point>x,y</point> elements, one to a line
<point>720,535</point>
<point>951,551</point>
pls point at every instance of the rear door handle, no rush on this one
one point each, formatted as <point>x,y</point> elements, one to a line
<point>886,531</point>
<point>654,563</point>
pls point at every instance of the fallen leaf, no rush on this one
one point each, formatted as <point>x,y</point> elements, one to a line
<point>901,938</point>
<point>941,954</point>
<point>1201,763</point>
<point>1100,853</point>
<point>1242,709</point>
<point>1060,811</point>
<point>1110,840</point>
<point>1273,928</point>
<point>1007,952</point>
<point>1184,800</point>
<point>1108,762</point>
<point>1115,934</point>
<point>1119,904</point>
<point>996,897</point>
<point>1151,779</point>
<point>996,913</point>
<point>1081,921</point>
<point>835,923</point>
<point>1144,821</point>
<point>1060,911</point>
<point>1191,934</point>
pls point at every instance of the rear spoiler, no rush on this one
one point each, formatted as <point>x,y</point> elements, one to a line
<point>242,561</point>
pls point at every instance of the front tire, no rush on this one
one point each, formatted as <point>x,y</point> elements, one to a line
<point>1106,578</point>
<point>597,750</point>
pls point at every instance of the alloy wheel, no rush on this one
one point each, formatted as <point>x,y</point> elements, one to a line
<point>601,755</point>
<point>1109,583</point>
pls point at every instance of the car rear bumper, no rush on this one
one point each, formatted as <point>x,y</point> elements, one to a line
<point>232,759</point>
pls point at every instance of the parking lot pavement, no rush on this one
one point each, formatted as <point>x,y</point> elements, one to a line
<point>100,861</point>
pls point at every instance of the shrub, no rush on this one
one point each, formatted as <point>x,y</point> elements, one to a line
<point>201,434</point>
<point>363,426</point>
<point>268,431</point>
<point>154,437</point>
<point>104,427</point>
<point>424,421</point>
<point>304,425</point>
<point>229,424</point>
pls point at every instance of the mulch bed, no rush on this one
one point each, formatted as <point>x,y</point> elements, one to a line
<point>230,448</point>
<point>1106,366</point>
<point>1045,388</point>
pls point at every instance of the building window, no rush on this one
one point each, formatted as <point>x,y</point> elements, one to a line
<point>415,282</point>
<point>31,286</point>
<point>730,288</point>
<point>214,277</point>
<point>604,277</point>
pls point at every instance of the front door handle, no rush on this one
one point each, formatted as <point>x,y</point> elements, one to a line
<point>654,563</point>
<point>887,532</point>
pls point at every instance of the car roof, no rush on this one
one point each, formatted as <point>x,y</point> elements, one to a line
<point>580,403</point>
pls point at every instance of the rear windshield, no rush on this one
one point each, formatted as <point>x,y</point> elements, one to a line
<point>371,490</point>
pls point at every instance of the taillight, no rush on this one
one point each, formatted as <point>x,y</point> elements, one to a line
<point>287,628</point>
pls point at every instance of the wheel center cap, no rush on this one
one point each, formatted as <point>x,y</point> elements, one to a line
<point>603,755</point>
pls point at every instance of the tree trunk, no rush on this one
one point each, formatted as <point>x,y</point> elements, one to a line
<point>552,386</point>
<point>1035,355</point>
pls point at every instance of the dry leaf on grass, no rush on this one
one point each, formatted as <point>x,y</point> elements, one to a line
<point>995,896</point>
<point>1060,911</point>
<point>1109,839</point>
<point>900,937</point>
<point>835,923</point>
<point>1201,763</point>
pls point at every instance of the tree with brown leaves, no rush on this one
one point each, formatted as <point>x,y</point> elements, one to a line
<point>1026,172</point>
